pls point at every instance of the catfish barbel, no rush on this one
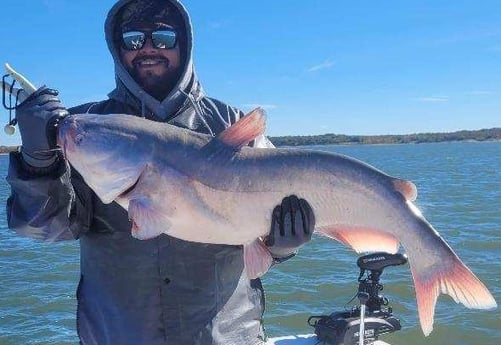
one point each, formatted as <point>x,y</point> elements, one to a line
<point>217,190</point>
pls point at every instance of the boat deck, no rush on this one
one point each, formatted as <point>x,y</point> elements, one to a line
<point>304,339</point>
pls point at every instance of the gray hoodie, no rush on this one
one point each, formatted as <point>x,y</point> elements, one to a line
<point>154,292</point>
<point>187,85</point>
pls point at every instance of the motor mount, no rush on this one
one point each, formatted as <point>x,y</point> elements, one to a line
<point>343,328</point>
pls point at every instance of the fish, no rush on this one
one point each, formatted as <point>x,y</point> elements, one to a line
<point>220,190</point>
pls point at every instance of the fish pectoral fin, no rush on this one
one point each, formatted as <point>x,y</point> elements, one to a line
<point>362,239</point>
<point>455,280</point>
<point>257,259</point>
<point>244,130</point>
<point>146,222</point>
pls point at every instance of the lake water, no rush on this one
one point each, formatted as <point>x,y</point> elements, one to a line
<point>459,186</point>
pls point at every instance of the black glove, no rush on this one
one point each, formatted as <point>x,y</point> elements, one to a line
<point>37,118</point>
<point>292,225</point>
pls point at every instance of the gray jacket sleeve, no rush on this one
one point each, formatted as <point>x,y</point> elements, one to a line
<point>44,206</point>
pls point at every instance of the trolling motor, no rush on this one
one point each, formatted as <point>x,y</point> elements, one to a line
<point>373,317</point>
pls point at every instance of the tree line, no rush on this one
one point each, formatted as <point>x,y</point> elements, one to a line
<point>491,134</point>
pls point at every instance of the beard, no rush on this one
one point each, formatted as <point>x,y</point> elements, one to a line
<point>158,81</point>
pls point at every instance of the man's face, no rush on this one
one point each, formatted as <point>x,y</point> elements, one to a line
<point>156,70</point>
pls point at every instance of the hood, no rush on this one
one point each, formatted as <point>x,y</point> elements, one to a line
<point>128,90</point>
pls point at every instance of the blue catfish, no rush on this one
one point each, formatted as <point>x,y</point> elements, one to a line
<point>219,190</point>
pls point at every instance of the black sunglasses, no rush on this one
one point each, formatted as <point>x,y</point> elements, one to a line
<point>162,39</point>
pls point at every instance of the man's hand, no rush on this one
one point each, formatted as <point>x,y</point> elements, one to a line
<point>292,225</point>
<point>37,118</point>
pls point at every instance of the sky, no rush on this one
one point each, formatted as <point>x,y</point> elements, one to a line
<point>316,67</point>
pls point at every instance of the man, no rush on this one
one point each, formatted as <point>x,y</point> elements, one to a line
<point>163,290</point>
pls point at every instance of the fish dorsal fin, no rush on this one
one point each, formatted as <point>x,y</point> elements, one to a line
<point>244,130</point>
<point>406,188</point>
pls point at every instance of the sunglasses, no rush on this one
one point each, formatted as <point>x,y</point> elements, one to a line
<point>161,39</point>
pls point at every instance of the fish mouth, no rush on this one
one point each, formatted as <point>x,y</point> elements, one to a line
<point>66,130</point>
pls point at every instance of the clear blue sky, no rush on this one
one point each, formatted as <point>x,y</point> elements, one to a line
<point>317,66</point>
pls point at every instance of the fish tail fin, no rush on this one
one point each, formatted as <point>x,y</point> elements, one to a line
<point>244,130</point>
<point>257,259</point>
<point>456,281</point>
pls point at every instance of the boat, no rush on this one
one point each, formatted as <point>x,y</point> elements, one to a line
<point>305,339</point>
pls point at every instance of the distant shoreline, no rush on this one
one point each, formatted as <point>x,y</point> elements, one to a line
<point>390,143</point>
<point>481,135</point>
<point>4,150</point>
